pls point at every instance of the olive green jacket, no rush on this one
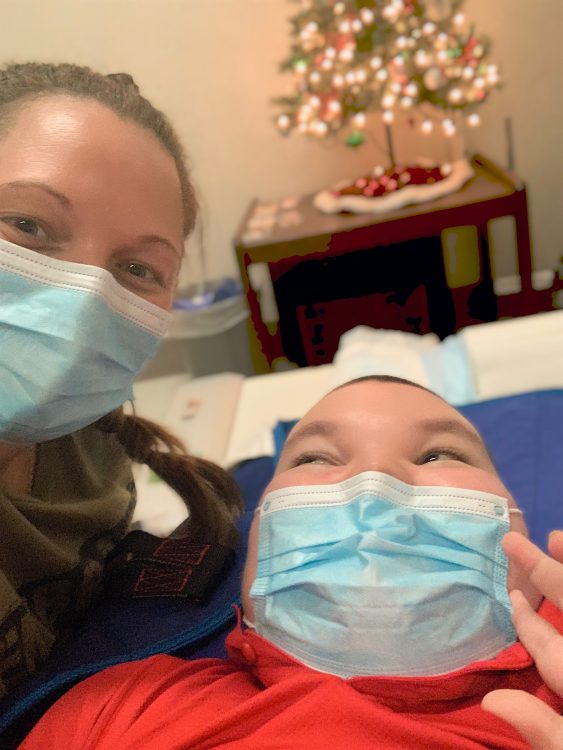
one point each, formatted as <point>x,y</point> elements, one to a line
<point>53,543</point>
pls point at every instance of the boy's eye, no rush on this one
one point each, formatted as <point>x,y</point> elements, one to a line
<point>310,458</point>
<point>443,454</point>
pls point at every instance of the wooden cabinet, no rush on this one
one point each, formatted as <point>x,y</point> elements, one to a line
<point>329,273</point>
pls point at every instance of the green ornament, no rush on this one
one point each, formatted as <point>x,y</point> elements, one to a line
<point>299,63</point>
<point>355,139</point>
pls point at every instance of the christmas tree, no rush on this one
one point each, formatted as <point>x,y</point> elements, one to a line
<point>352,57</point>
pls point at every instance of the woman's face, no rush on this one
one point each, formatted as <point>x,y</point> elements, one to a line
<point>79,183</point>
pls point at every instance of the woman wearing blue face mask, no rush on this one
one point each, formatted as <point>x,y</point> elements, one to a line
<point>95,204</point>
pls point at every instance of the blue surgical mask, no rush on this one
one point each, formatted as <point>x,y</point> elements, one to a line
<point>373,576</point>
<point>71,342</point>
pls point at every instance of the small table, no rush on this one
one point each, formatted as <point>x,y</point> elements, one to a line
<point>328,273</point>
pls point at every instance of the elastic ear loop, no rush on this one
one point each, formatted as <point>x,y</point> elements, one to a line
<point>516,510</point>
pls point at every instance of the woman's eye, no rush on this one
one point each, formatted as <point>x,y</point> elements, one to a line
<point>140,271</point>
<point>26,226</point>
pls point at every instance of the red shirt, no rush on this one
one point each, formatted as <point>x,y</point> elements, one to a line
<point>262,698</point>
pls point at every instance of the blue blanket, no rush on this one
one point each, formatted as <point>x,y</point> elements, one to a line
<point>525,436</point>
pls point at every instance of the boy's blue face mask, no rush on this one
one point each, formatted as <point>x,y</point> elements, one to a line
<point>372,576</point>
<point>71,342</point>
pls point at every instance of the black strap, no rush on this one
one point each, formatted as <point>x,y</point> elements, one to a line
<point>143,565</point>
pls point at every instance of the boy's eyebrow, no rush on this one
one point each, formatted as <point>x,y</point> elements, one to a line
<point>453,427</point>
<point>319,428</point>
<point>322,428</point>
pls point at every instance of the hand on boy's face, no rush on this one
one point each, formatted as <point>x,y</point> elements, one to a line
<point>396,429</point>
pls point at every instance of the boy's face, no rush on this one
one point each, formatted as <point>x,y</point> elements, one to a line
<point>393,428</point>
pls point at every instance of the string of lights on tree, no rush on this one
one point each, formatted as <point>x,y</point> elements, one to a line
<point>352,57</point>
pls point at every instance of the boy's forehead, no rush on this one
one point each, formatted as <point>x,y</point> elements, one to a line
<point>370,403</point>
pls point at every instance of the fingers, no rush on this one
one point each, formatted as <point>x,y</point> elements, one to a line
<point>545,573</point>
<point>538,724</point>
<point>555,545</point>
<point>540,639</point>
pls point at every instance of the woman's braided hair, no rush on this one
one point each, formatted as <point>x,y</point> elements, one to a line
<point>212,496</point>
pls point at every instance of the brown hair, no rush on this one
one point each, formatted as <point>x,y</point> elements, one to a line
<point>25,82</point>
<point>211,494</point>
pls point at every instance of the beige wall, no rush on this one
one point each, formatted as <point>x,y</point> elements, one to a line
<point>212,66</point>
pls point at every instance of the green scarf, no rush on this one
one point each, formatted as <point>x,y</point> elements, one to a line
<point>53,544</point>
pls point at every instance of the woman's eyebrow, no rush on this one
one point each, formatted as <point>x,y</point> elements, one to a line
<point>319,428</point>
<point>150,239</point>
<point>62,199</point>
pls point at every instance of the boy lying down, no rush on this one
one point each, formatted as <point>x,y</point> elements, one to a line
<point>376,605</point>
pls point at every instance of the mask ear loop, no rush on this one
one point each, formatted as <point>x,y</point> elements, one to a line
<point>516,510</point>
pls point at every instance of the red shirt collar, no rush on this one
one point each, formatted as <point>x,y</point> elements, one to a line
<point>271,665</point>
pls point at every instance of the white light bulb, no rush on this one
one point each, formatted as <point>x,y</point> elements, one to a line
<point>479,82</point>
<point>474,120</point>
<point>388,117</point>
<point>312,27</point>
<point>321,128</point>
<point>388,101</point>
<point>300,67</point>
<point>455,96</point>
<point>459,19</point>
<point>427,126</point>
<point>357,25</point>
<point>350,77</point>
<point>330,53</point>
<point>411,89</point>
<point>448,127</point>
<point>376,62</point>
<point>402,42</point>
<point>334,106</point>
<point>302,127</point>
<point>398,60</point>
<point>442,55</point>
<point>428,28</point>
<point>421,58</point>
<point>339,8</point>
<point>346,55</point>
<point>396,87</point>
<point>361,75</point>
<point>315,102</point>
<point>345,26</point>
<point>283,122</point>
<point>381,74</point>
<point>326,64</point>
<point>406,102</point>
<point>315,77</point>
<point>359,119</point>
<point>338,81</point>
<point>367,16</point>
<point>468,73</point>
